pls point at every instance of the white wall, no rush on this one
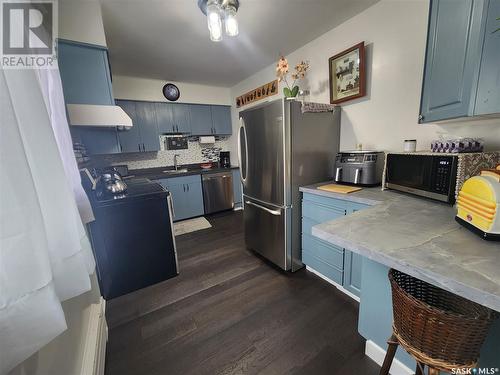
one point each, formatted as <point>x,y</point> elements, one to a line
<point>395,34</point>
<point>125,87</point>
<point>81,20</point>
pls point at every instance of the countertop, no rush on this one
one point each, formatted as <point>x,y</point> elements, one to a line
<point>157,173</point>
<point>419,237</point>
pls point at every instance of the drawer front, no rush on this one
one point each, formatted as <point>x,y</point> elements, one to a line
<point>338,204</point>
<point>322,267</point>
<point>320,212</point>
<point>325,252</point>
<point>183,180</point>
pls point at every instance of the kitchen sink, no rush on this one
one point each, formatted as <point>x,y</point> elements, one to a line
<point>176,171</point>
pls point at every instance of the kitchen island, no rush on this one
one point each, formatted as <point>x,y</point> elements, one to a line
<point>421,238</point>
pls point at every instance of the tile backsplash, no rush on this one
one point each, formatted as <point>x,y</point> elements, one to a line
<point>195,153</point>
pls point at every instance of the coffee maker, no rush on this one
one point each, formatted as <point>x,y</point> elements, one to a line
<point>224,159</point>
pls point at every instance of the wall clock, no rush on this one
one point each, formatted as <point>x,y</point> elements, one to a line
<point>171,92</point>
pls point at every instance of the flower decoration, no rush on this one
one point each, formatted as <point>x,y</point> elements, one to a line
<point>300,70</point>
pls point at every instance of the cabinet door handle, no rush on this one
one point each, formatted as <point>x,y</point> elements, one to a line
<point>139,145</point>
<point>188,188</point>
<point>143,148</point>
<point>184,187</point>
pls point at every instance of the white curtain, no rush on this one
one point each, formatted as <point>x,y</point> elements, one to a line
<point>45,255</point>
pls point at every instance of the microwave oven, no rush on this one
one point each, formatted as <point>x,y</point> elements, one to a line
<point>428,175</point>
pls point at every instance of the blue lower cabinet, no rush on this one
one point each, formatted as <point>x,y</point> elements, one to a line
<point>187,196</point>
<point>352,272</point>
<point>237,190</point>
<point>337,264</point>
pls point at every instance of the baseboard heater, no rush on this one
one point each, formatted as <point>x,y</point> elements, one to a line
<point>94,356</point>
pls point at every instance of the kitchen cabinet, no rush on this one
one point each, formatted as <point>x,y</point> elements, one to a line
<point>221,120</point>
<point>144,134</point>
<point>237,189</point>
<point>148,126</point>
<point>187,196</point>
<point>86,79</point>
<point>173,118</point>
<point>488,91</point>
<point>337,264</point>
<point>164,118</point>
<point>201,119</point>
<point>210,119</point>
<point>130,139</point>
<point>181,117</point>
<point>461,59</point>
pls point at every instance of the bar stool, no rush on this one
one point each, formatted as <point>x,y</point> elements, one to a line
<point>439,329</point>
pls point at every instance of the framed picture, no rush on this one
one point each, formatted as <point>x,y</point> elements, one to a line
<point>347,74</point>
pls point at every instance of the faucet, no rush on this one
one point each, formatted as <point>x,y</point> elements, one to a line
<point>175,161</point>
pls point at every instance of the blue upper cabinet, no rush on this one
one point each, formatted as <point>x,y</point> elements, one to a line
<point>147,123</point>
<point>488,93</point>
<point>201,119</point>
<point>86,79</point>
<point>454,56</point>
<point>181,118</point>
<point>221,120</point>
<point>165,118</point>
<point>130,139</point>
<point>85,73</point>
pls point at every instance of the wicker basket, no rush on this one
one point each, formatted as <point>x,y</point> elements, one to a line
<point>437,327</point>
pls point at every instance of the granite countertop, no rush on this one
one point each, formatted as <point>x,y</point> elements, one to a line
<point>419,237</point>
<point>157,173</point>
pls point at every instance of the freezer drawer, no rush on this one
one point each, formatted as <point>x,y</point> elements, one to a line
<point>266,231</point>
<point>218,192</point>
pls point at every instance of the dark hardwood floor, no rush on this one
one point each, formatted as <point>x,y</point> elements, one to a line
<point>230,312</point>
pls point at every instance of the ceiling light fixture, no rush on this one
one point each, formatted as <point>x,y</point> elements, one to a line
<point>217,11</point>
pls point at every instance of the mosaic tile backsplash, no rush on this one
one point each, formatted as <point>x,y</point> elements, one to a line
<point>195,153</point>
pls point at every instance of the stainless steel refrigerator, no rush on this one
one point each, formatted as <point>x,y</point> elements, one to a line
<point>280,149</point>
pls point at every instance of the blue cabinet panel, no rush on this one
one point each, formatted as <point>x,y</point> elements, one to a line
<point>352,272</point>
<point>195,199</point>
<point>454,44</point>
<point>221,120</point>
<point>148,126</point>
<point>317,209</point>
<point>332,255</point>
<point>96,141</point>
<point>130,139</point>
<point>322,267</point>
<point>201,119</point>
<point>164,117</point>
<point>86,79</point>
<point>237,190</point>
<point>85,73</point>
<point>181,118</point>
<point>488,93</point>
<point>187,195</point>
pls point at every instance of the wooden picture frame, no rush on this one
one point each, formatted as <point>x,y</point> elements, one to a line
<point>347,74</point>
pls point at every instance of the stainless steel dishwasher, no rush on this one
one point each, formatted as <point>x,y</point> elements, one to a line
<point>218,192</point>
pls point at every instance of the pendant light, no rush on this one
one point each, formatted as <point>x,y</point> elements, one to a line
<point>218,11</point>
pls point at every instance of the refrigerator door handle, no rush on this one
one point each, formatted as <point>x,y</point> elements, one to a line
<point>272,212</point>
<point>242,127</point>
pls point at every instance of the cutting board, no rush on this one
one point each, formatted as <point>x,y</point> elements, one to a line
<point>343,189</point>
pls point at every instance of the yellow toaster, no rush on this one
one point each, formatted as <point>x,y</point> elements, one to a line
<point>478,204</point>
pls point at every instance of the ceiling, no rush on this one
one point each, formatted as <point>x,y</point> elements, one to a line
<point>168,39</point>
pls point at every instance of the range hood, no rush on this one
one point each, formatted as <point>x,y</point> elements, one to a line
<point>98,115</point>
